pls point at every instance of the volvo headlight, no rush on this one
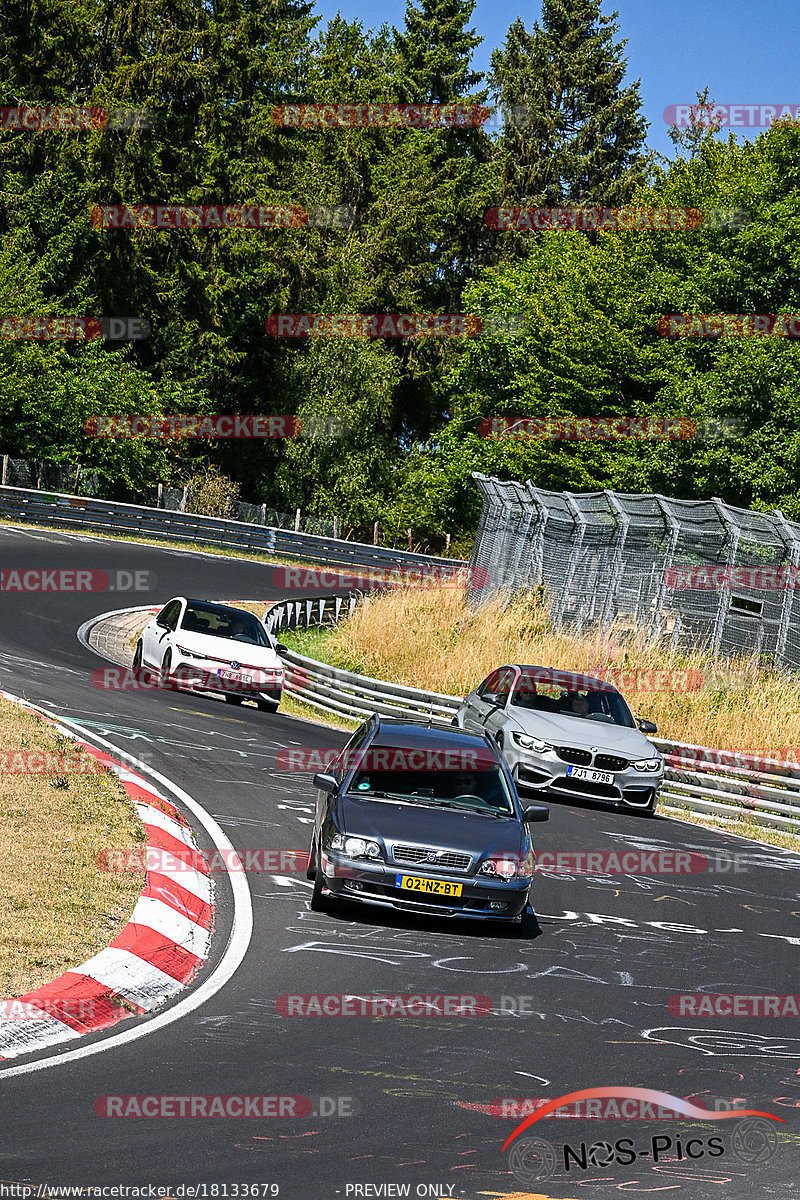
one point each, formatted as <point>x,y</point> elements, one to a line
<point>647,764</point>
<point>355,847</point>
<point>499,868</point>
<point>531,743</point>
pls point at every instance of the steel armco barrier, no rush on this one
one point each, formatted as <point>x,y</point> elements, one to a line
<point>345,693</point>
<point>697,778</point>
<point>107,516</point>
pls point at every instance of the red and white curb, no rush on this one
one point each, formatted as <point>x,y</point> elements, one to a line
<point>157,954</point>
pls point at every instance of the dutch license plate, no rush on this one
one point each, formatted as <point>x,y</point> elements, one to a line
<point>435,887</point>
<point>234,675</point>
<point>592,776</point>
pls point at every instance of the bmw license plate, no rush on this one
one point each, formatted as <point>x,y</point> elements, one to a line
<point>235,675</point>
<point>592,776</point>
<point>435,887</point>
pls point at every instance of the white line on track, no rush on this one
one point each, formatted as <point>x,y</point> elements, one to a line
<point>238,942</point>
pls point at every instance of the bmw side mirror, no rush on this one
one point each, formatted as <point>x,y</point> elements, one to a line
<point>535,812</point>
<point>161,624</point>
<point>325,783</point>
<point>279,646</point>
<point>647,726</point>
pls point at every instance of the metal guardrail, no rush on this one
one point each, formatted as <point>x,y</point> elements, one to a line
<point>108,516</point>
<point>697,778</point>
<point>345,693</point>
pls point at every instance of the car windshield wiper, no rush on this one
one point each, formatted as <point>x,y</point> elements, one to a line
<point>389,796</point>
<point>482,812</point>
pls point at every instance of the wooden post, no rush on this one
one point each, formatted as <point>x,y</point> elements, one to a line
<point>263,514</point>
<point>160,500</point>
<point>409,538</point>
<point>5,469</point>
<point>336,528</point>
<point>182,505</point>
<point>297,521</point>
<point>375,534</point>
<point>447,545</point>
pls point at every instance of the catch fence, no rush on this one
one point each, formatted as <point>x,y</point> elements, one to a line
<point>698,572</point>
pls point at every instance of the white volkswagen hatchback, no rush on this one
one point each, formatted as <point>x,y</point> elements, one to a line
<point>212,647</point>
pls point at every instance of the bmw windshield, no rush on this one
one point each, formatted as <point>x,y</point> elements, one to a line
<point>591,700</point>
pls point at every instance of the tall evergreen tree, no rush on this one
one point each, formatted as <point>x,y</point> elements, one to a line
<point>436,50</point>
<point>577,133</point>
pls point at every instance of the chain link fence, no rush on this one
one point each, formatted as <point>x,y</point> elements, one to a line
<point>699,572</point>
<point>49,476</point>
<point>73,479</point>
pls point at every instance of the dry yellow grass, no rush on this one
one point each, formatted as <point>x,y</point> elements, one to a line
<point>432,639</point>
<point>57,908</point>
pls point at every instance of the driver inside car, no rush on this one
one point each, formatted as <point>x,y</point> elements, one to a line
<point>578,704</point>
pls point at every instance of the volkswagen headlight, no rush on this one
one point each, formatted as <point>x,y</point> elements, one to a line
<point>355,847</point>
<point>531,743</point>
<point>647,764</point>
<point>189,653</point>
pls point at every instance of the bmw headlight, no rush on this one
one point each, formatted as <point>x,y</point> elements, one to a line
<point>355,847</point>
<point>647,764</point>
<point>531,743</point>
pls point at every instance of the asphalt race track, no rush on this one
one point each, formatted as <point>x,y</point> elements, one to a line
<point>411,1100</point>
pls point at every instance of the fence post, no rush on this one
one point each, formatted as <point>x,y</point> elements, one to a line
<point>787,601</point>
<point>263,514</point>
<point>335,528</point>
<point>375,534</point>
<point>160,500</point>
<point>408,531</point>
<point>297,521</point>
<point>5,469</point>
<point>182,505</point>
<point>447,545</point>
